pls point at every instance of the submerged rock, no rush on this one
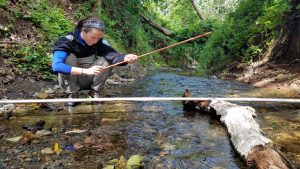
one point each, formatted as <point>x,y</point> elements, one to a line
<point>7,108</point>
<point>35,127</point>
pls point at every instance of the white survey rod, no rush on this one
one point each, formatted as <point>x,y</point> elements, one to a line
<point>141,99</point>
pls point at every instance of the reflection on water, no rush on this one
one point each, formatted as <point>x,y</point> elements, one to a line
<point>166,135</point>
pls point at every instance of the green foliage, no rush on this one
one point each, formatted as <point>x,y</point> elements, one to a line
<point>125,31</point>
<point>51,21</point>
<point>140,40</point>
<point>113,36</point>
<point>33,58</point>
<point>298,7</point>
<point>182,20</point>
<point>182,16</point>
<point>245,34</point>
<point>17,12</point>
<point>241,36</point>
<point>273,12</point>
<point>51,24</point>
<point>83,9</point>
<point>3,3</point>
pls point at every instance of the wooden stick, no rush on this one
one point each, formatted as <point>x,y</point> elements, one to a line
<point>158,50</point>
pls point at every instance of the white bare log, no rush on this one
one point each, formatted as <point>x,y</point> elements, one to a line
<point>244,131</point>
<point>246,136</point>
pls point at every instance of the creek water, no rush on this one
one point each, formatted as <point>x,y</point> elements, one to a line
<point>162,132</point>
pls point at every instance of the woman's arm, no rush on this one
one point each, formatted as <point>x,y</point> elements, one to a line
<point>59,66</point>
<point>58,63</point>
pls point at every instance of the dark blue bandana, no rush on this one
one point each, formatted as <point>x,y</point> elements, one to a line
<point>94,24</point>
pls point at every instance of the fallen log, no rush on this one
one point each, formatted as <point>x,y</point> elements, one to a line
<point>245,134</point>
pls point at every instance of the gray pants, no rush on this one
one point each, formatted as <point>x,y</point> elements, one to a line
<point>75,83</point>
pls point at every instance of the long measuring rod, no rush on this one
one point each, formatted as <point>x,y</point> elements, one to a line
<point>144,99</point>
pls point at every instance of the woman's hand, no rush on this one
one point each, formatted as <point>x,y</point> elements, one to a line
<point>94,70</point>
<point>130,58</point>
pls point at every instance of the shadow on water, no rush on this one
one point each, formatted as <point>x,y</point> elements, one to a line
<point>165,134</point>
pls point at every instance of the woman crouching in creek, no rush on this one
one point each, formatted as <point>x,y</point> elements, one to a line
<point>81,56</point>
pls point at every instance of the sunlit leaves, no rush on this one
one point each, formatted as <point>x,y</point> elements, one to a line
<point>273,13</point>
<point>246,32</point>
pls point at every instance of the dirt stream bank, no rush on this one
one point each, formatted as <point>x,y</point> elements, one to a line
<point>284,78</point>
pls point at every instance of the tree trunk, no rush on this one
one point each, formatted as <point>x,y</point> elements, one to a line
<point>96,6</point>
<point>157,27</point>
<point>246,137</point>
<point>201,16</point>
<point>287,45</point>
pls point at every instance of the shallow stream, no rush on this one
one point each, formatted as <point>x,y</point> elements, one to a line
<point>162,132</point>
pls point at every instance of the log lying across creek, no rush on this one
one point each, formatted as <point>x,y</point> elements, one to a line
<point>246,136</point>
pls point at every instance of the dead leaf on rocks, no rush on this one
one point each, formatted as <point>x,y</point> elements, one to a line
<point>75,131</point>
<point>35,141</point>
<point>47,151</point>
<point>108,120</point>
<point>43,132</point>
<point>42,95</point>
<point>57,149</point>
<point>78,146</point>
<point>28,159</point>
<point>14,139</point>
<point>90,140</point>
<point>27,137</point>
